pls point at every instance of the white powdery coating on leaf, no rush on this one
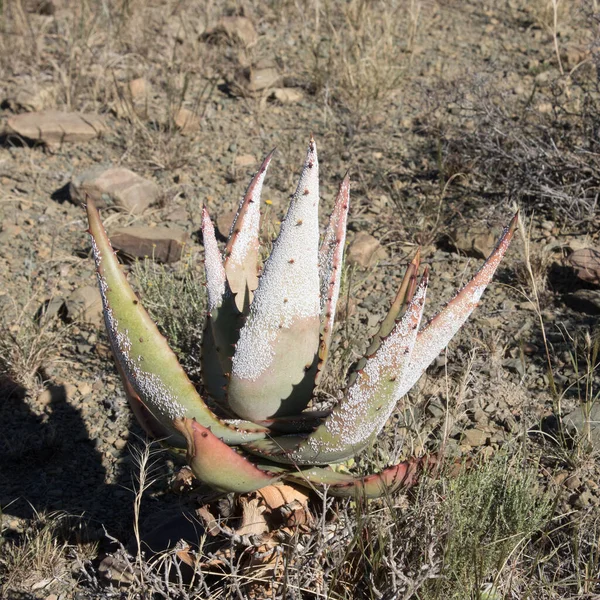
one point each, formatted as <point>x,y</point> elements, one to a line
<point>352,422</point>
<point>289,286</point>
<point>213,265</point>
<point>247,236</point>
<point>436,335</point>
<point>147,385</point>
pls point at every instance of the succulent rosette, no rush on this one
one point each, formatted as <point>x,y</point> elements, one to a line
<point>265,346</point>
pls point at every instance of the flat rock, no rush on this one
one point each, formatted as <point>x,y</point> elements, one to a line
<point>287,95</point>
<point>256,79</point>
<point>586,263</point>
<point>55,127</point>
<point>364,250</point>
<point>474,437</point>
<point>187,120</point>
<point>163,244</point>
<point>85,304</point>
<point>473,241</point>
<point>139,89</point>
<point>115,186</point>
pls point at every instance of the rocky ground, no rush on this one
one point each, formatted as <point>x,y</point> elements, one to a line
<point>449,115</point>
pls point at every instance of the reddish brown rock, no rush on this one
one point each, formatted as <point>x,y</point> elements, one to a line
<point>288,95</point>
<point>163,244</point>
<point>474,241</point>
<point>364,250</point>
<point>115,186</point>
<point>55,127</point>
<point>85,304</point>
<point>586,263</point>
<point>187,120</point>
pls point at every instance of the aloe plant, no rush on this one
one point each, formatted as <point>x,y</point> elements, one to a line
<point>265,348</point>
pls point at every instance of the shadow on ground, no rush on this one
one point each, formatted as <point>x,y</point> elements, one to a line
<point>50,463</point>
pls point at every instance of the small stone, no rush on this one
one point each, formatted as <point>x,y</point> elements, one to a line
<point>256,79</point>
<point>364,250</point>
<point>474,437</point>
<point>163,244</point>
<point>224,223</point>
<point>116,187</point>
<point>586,263</point>
<point>139,89</point>
<point>84,388</point>
<point>288,95</point>
<point>187,120</point>
<point>55,127</point>
<point>234,30</point>
<point>245,160</point>
<point>585,499</point>
<point>473,241</point>
<point>120,444</point>
<point>85,304</point>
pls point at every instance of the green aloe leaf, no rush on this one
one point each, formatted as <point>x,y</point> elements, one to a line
<point>331,256</point>
<point>274,364</point>
<point>242,250</point>
<point>145,360</point>
<point>368,403</point>
<point>215,463</point>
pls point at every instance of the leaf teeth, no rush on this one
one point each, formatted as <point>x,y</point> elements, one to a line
<point>241,253</point>
<point>436,335</point>
<point>286,304</point>
<point>213,265</point>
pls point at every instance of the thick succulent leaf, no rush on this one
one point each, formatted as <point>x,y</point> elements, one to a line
<point>368,404</point>
<point>403,297</point>
<point>331,256</point>
<point>274,364</point>
<point>216,464</point>
<point>152,426</point>
<point>436,335</point>
<point>402,475</point>
<point>216,279</point>
<point>148,364</point>
<point>224,318</point>
<point>241,253</point>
